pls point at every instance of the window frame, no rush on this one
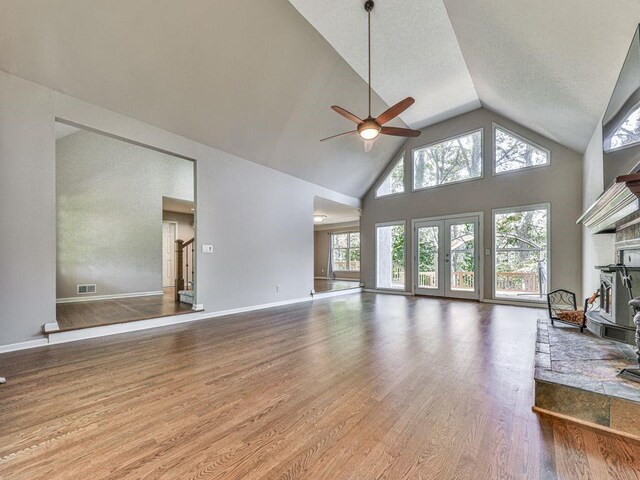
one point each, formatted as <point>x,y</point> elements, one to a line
<point>375,246</point>
<point>387,172</point>
<point>453,137</point>
<point>494,163</point>
<point>494,280</point>
<point>606,140</point>
<point>347,249</point>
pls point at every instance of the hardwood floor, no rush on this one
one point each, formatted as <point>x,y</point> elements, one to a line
<point>321,285</point>
<point>362,386</point>
<point>73,316</point>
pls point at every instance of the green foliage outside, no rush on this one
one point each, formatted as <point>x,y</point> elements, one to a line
<point>521,240</point>
<point>449,161</point>
<point>397,246</point>
<point>513,153</point>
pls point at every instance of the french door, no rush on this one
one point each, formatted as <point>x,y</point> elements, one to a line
<point>446,257</point>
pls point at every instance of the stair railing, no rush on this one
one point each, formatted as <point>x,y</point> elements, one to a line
<point>184,258</point>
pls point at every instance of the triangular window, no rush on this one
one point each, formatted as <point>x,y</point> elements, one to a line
<point>514,152</point>
<point>394,181</point>
<point>627,134</point>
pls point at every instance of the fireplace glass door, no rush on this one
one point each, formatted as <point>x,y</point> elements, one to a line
<point>446,257</point>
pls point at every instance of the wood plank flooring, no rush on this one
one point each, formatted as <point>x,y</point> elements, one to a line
<point>74,316</point>
<point>362,386</point>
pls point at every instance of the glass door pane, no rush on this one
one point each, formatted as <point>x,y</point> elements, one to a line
<point>462,251</point>
<point>428,253</point>
<point>428,258</point>
<point>462,259</point>
<point>390,262</point>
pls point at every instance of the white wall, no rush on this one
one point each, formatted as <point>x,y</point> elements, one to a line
<point>258,220</point>
<point>596,249</point>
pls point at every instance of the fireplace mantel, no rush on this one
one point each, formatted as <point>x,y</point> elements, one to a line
<point>616,203</point>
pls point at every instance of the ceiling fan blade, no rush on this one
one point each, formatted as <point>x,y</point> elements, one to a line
<point>400,132</point>
<point>368,145</point>
<point>346,114</point>
<point>338,135</point>
<point>394,111</point>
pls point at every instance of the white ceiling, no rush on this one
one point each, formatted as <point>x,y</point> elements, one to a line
<point>335,212</point>
<point>548,65</point>
<point>414,53</point>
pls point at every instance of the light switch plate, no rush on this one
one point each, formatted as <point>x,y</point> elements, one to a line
<point>207,248</point>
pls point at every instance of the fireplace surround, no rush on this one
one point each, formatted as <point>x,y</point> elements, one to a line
<point>614,319</point>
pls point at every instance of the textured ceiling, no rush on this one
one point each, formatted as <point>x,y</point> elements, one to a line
<point>548,65</point>
<point>248,77</point>
<point>414,53</point>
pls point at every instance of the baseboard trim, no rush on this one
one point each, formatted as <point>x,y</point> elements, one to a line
<point>342,279</point>
<point>13,347</point>
<point>389,292</point>
<point>108,297</point>
<point>118,328</point>
<point>321,278</point>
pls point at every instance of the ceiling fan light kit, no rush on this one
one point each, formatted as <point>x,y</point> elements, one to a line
<point>370,127</point>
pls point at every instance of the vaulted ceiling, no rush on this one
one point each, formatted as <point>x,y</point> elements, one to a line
<point>256,78</point>
<point>550,66</point>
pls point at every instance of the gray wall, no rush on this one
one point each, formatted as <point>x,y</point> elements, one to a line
<point>322,238</point>
<point>259,221</point>
<point>596,249</point>
<point>560,184</point>
<point>109,213</point>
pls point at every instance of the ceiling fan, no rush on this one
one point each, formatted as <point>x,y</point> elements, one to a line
<point>370,127</point>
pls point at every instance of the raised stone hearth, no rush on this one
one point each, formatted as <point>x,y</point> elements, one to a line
<point>576,376</point>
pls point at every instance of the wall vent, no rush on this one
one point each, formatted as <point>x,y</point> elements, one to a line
<point>87,288</point>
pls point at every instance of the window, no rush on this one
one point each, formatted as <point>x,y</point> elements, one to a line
<point>394,181</point>
<point>627,134</point>
<point>390,256</point>
<point>345,251</point>
<point>513,152</point>
<point>521,245</point>
<point>454,160</point>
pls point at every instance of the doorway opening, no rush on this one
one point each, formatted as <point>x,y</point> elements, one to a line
<point>122,212</point>
<point>336,246</point>
<point>446,259</point>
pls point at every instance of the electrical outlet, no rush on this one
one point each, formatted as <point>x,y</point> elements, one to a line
<point>487,251</point>
<point>207,248</point>
<point>277,288</point>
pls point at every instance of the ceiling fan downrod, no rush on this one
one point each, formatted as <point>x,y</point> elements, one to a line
<point>368,6</point>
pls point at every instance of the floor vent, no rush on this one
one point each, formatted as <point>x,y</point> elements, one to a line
<point>87,288</point>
